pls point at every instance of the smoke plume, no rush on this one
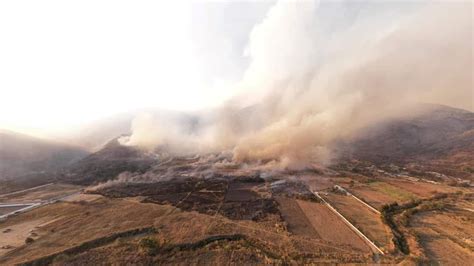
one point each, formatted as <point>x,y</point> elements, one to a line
<point>305,89</point>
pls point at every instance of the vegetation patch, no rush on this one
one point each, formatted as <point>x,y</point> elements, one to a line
<point>389,211</point>
<point>89,245</point>
<point>393,192</point>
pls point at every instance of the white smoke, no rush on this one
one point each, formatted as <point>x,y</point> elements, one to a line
<point>305,89</point>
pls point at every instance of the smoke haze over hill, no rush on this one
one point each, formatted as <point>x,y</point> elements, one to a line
<point>305,89</point>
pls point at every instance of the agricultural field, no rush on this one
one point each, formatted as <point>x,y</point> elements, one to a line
<point>296,219</point>
<point>330,227</point>
<point>240,219</point>
<point>421,189</point>
<point>42,193</point>
<point>62,225</point>
<point>365,219</point>
<point>379,193</point>
<point>5,210</point>
<point>395,193</point>
<point>69,224</point>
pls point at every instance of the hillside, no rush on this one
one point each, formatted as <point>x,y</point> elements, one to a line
<point>434,138</point>
<point>25,155</point>
<point>107,163</point>
<point>434,134</point>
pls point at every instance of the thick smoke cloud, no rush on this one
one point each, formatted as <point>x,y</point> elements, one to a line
<point>305,89</point>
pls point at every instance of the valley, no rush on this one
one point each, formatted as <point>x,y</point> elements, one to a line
<point>276,218</point>
<point>282,132</point>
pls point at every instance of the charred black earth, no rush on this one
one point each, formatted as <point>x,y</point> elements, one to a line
<point>237,198</point>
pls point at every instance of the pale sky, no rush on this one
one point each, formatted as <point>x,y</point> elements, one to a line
<point>67,62</point>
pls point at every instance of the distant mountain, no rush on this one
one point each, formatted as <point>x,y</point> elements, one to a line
<point>107,163</point>
<point>436,134</point>
<point>432,133</point>
<point>22,155</point>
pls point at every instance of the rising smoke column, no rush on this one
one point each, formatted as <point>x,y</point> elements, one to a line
<point>305,89</point>
<point>311,104</point>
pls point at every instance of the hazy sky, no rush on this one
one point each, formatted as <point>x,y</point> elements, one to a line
<point>64,63</point>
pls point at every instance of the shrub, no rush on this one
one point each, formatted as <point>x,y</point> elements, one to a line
<point>152,246</point>
<point>60,258</point>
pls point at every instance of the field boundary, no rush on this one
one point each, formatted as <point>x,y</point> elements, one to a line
<point>33,205</point>
<point>357,231</point>
<point>29,206</point>
<point>24,190</point>
<point>47,260</point>
<point>366,204</point>
<point>361,201</point>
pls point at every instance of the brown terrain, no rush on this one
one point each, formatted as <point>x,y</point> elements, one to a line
<point>365,219</point>
<point>121,206</point>
<point>239,218</point>
<point>446,237</point>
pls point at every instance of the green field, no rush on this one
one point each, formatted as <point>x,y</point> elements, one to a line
<point>396,193</point>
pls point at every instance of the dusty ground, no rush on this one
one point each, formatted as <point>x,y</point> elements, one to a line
<point>14,235</point>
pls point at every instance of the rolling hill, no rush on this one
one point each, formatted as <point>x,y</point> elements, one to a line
<point>22,155</point>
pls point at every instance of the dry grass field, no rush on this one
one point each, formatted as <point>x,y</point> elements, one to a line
<point>71,223</point>
<point>14,235</point>
<point>40,194</point>
<point>196,221</point>
<point>5,210</point>
<point>446,237</point>
<point>421,189</point>
<point>76,222</point>
<point>378,193</point>
<point>66,225</point>
<point>330,227</point>
<point>297,221</point>
<point>366,220</point>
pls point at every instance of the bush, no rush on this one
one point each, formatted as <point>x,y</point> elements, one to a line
<point>29,240</point>
<point>152,246</point>
<point>469,169</point>
<point>61,258</point>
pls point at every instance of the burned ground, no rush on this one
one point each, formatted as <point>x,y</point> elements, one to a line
<point>192,199</point>
<point>106,164</point>
<point>293,189</point>
<point>235,198</point>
